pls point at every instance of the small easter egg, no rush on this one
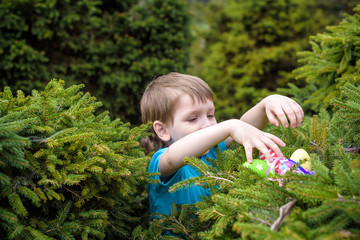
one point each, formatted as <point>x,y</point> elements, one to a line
<point>259,167</point>
<point>302,155</point>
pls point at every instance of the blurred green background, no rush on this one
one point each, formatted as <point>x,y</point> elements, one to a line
<point>244,49</point>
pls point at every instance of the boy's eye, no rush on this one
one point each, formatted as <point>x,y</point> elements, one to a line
<point>192,119</point>
<point>210,116</point>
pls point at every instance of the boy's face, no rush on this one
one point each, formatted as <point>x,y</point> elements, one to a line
<point>190,116</point>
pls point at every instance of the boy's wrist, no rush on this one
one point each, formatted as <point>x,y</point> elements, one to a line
<point>234,124</point>
<point>263,103</point>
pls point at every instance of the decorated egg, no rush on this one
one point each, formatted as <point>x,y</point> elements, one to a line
<point>259,167</point>
<point>302,155</point>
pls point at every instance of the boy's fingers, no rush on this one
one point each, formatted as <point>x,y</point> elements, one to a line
<point>279,112</point>
<point>299,113</point>
<point>289,112</point>
<point>275,139</point>
<point>248,152</point>
<point>272,118</point>
<point>294,113</point>
<point>271,145</point>
<point>263,148</point>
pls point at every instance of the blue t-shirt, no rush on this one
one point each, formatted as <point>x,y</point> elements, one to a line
<point>160,199</point>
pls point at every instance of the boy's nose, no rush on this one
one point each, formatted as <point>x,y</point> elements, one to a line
<point>205,123</point>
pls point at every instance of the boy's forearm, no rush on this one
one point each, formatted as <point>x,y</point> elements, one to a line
<point>195,144</point>
<point>277,110</point>
<point>256,116</point>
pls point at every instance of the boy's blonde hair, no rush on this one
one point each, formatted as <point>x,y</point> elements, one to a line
<point>161,96</point>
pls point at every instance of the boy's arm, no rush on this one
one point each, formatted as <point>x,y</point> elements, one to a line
<point>198,143</point>
<point>271,108</point>
<point>286,109</point>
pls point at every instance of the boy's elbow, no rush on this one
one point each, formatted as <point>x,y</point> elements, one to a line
<point>167,166</point>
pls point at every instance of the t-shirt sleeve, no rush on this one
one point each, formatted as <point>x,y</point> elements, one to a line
<point>154,163</point>
<point>222,146</point>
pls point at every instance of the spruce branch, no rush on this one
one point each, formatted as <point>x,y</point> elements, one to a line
<point>178,225</point>
<point>210,175</point>
<point>118,230</point>
<point>260,220</point>
<point>17,230</point>
<point>284,212</point>
<point>17,204</point>
<point>37,234</point>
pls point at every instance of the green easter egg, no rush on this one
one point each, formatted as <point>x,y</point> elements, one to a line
<point>259,167</point>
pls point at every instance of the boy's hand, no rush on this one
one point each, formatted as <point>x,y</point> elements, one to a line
<point>283,108</point>
<point>251,137</point>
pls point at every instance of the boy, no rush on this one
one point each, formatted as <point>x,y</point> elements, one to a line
<point>182,111</point>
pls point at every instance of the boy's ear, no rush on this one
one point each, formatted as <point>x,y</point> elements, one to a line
<point>161,131</point>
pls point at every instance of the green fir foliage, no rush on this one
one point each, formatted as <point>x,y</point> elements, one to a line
<point>325,205</point>
<point>333,61</point>
<point>348,115</point>
<point>67,173</point>
<point>114,47</point>
<point>248,48</point>
<point>244,205</point>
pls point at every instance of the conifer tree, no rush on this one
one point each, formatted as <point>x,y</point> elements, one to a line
<point>244,205</point>
<point>333,61</point>
<point>113,47</point>
<point>347,115</point>
<point>66,173</point>
<point>248,48</point>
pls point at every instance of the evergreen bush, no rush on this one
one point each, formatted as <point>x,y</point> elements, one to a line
<point>325,205</point>
<point>65,172</point>
<point>333,61</point>
<point>244,205</point>
<point>114,47</point>
<point>248,48</point>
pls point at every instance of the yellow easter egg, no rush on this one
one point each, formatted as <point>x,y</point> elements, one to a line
<point>307,165</point>
<point>302,155</point>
